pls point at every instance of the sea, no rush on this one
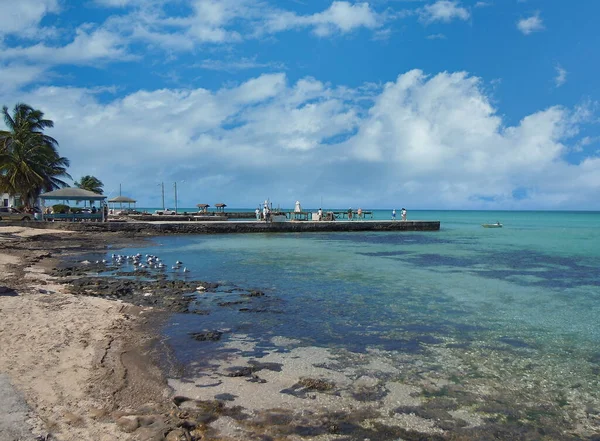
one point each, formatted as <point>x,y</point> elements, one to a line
<point>502,323</point>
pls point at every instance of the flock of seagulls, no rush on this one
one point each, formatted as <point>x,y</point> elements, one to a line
<point>140,262</point>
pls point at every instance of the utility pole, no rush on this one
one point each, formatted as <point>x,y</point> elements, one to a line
<point>175,186</point>
<point>162,186</point>
<point>119,189</point>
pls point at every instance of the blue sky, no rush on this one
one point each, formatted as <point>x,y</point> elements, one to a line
<point>424,104</point>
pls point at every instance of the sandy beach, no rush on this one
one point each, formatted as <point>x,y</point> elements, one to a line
<point>78,361</point>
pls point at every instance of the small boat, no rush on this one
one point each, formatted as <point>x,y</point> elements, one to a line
<point>496,225</point>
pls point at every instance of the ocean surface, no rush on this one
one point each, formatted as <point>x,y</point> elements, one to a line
<point>516,307</point>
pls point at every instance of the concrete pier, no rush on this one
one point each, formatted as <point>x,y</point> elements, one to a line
<point>221,227</point>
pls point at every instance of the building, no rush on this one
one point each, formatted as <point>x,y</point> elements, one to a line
<point>7,200</point>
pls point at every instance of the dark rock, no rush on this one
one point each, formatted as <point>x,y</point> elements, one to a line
<point>253,293</point>
<point>128,424</point>
<point>225,397</point>
<point>178,400</point>
<point>207,335</point>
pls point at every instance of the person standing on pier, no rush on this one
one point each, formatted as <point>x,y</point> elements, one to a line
<point>257,213</point>
<point>394,214</point>
<point>359,213</point>
<point>403,214</point>
<point>350,213</point>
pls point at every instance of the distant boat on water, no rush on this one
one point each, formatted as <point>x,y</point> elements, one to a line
<point>496,225</point>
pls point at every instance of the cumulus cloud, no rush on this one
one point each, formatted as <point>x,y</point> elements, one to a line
<point>443,137</point>
<point>444,11</point>
<point>341,16</point>
<point>561,76</point>
<point>430,141</point>
<point>530,24</point>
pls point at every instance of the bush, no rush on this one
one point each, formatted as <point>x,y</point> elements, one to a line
<point>60,208</point>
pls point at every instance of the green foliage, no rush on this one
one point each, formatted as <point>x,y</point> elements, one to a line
<point>60,208</point>
<point>90,183</point>
<point>29,159</point>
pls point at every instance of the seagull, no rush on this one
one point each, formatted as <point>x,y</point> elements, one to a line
<point>185,270</point>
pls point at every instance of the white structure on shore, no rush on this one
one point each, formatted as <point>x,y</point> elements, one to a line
<point>8,200</point>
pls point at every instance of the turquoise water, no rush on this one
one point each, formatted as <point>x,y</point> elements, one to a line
<point>528,293</point>
<point>535,279</point>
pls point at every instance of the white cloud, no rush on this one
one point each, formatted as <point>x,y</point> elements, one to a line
<point>13,76</point>
<point>444,11</point>
<point>23,17</point>
<point>434,142</point>
<point>341,16</point>
<point>483,4</point>
<point>561,76</point>
<point>442,136</point>
<point>87,47</point>
<point>531,24</point>
<point>436,37</point>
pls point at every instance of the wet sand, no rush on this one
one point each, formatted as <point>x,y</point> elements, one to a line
<point>80,362</point>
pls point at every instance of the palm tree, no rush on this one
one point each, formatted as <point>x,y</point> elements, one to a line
<point>29,159</point>
<point>90,183</point>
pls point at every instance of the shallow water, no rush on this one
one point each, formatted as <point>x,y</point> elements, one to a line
<point>518,304</point>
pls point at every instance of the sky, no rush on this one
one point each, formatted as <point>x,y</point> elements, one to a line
<point>433,104</point>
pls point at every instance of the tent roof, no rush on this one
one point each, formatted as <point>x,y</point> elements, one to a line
<point>220,205</point>
<point>202,205</point>
<point>73,194</point>
<point>122,199</point>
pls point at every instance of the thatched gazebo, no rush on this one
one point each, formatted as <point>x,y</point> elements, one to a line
<point>220,207</point>
<point>203,208</point>
<point>122,200</point>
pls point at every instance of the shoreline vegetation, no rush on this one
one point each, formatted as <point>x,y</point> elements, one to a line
<point>86,354</point>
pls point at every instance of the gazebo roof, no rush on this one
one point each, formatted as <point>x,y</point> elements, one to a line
<point>122,199</point>
<point>220,205</point>
<point>202,205</point>
<point>73,194</point>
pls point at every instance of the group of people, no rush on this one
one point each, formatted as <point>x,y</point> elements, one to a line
<point>402,214</point>
<point>359,214</point>
<point>265,213</point>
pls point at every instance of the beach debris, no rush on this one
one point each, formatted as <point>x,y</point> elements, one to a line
<point>200,289</point>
